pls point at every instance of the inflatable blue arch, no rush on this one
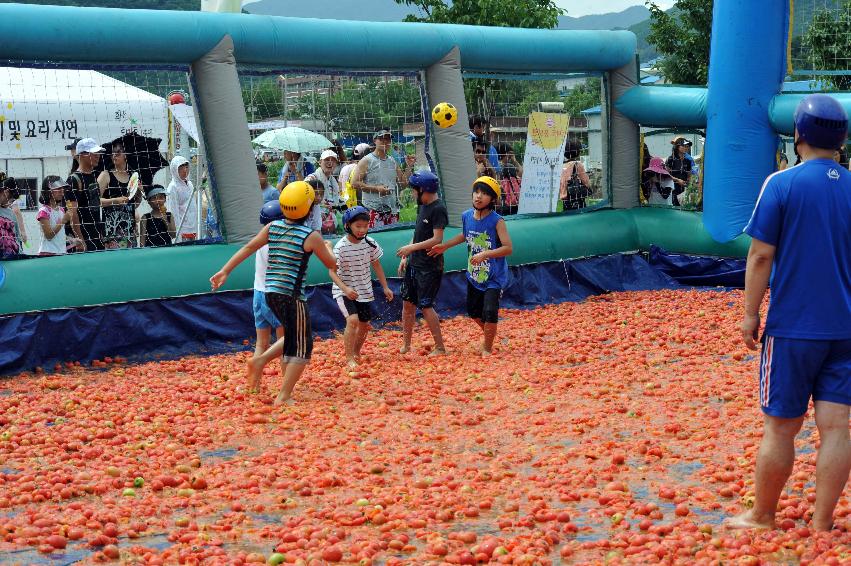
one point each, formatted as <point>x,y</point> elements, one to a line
<point>145,301</point>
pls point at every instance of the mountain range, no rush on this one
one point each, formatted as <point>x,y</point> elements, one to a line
<point>390,11</point>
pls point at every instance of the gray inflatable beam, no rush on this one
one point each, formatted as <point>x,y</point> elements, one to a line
<point>623,150</point>
<point>221,115</point>
<point>455,164</point>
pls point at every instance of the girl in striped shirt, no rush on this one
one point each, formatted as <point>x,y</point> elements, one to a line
<point>291,244</point>
<point>355,253</point>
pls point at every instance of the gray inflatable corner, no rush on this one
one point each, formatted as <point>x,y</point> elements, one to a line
<point>455,164</point>
<point>220,112</point>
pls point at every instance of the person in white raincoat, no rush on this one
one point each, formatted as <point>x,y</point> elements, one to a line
<point>182,200</point>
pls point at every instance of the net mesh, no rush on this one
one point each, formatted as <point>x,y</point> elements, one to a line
<point>500,109</point>
<point>346,109</point>
<point>125,110</point>
<point>820,42</point>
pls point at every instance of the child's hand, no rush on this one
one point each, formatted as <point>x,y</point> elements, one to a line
<point>402,265</point>
<point>478,258</point>
<point>437,249</point>
<point>404,251</point>
<point>350,293</point>
<point>388,294</point>
<point>218,280</point>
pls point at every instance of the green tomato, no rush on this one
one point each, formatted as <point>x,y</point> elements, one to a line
<point>276,558</point>
<point>129,492</point>
<point>139,482</point>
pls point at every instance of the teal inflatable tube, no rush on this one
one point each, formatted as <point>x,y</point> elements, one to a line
<point>664,106</point>
<point>42,33</point>
<point>782,110</point>
<point>157,273</point>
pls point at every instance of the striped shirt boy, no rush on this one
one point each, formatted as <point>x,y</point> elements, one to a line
<point>287,258</point>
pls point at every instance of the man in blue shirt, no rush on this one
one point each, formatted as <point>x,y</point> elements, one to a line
<point>801,227</point>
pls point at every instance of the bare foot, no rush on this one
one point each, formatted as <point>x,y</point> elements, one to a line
<point>437,352</point>
<point>486,354</point>
<point>404,349</point>
<point>352,363</point>
<point>255,370</point>
<point>746,521</point>
<point>281,399</point>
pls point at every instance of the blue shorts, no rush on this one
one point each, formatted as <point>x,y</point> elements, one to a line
<point>263,315</point>
<point>792,370</point>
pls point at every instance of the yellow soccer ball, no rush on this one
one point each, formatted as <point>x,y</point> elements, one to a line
<point>444,115</point>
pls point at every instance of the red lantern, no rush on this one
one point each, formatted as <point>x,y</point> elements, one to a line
<point>176,98</point>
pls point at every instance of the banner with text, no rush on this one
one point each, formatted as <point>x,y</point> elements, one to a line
<point>545,141</point>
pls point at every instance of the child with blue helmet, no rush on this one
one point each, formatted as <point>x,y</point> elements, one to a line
<point>356,253</point>
<point>422,274</point>
<point>264,319</point>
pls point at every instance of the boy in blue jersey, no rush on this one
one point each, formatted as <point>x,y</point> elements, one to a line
<point>801,227</point>
<point>291,244</point>
<point>488,244</point>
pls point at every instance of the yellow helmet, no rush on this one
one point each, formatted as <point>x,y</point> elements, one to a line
<point>491,183</point>
<point>296,200</point>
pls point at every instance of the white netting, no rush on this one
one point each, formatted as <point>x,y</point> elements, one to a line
<point>500,110</point>
<point>346,109</point>
<point>820,42</point>
<point>125,110</point>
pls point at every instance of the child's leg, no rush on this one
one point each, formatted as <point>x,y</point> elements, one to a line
<point>350,339</point>
<point>279,335</point>
<point>409,316</point>
<point>292,373</point>
<point>433,321</point>
<point>262,344</point>
<point>258,362</point>
<point>490,318</point>
<point>363,330</point>
<point>298,343</point>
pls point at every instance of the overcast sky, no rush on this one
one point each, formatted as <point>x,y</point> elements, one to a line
<point>578,8</point>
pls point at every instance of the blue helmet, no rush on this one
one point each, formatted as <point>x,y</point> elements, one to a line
<point>270,212</point>
<point>354,212</point>
<point>425,181</point>
<point>821,121</point>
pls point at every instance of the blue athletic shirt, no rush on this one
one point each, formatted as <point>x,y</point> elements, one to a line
<point>805,212</point>
<point>481,235</point>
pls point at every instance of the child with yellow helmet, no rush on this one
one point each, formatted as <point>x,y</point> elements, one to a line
<point>488,244</point>
<point>291,244</point>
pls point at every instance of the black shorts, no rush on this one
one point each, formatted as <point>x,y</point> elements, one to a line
<point>349,307</point>
<point>295,318</point>
<point>483,305</point>
<point>420,287</point>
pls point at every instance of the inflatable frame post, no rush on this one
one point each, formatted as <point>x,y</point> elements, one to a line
<point>444,83</point>
<point>623,136</point>
<point>746,70</point>
<point>218,98</point>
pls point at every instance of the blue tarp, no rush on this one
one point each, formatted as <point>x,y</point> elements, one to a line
<point>699,271</point>
<point>212,323</point>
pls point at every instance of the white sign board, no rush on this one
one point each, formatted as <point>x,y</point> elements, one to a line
<point>547,134</point>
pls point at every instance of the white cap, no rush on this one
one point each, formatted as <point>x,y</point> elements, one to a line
<point>361,149</point>
<point>88,145</point>
<point>328,153</point>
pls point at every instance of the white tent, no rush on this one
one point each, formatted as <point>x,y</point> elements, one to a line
<point>43,109</point>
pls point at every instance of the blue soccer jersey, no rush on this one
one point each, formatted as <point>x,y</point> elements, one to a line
<point>805,212</point>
